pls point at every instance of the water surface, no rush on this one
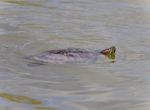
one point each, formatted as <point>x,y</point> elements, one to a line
<point>29,27</point>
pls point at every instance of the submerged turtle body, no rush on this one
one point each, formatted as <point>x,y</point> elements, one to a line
<point>71,55</point>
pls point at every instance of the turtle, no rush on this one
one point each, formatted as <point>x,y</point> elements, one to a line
<point>71,55</point>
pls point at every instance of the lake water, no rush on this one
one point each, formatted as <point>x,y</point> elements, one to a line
<point>30,27</point>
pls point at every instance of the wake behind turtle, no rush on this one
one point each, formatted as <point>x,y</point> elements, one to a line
<point>71,55</point>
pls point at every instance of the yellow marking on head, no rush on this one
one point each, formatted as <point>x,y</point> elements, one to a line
<point>109,52</point>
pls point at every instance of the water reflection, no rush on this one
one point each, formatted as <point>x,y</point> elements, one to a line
<point>36,103</point>
<point>22,3</point>
<point>25,3</point>
<point>20,99</point>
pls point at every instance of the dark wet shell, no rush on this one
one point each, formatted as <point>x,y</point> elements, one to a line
<point>70,55</point>
<point>69,50</point>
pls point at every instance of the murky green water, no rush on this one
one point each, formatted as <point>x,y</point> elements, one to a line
<point>32,26</point>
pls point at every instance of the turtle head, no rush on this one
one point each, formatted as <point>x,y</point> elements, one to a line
<point>109,52</point>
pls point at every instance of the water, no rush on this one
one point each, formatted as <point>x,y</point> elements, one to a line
<point>29,27</point>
